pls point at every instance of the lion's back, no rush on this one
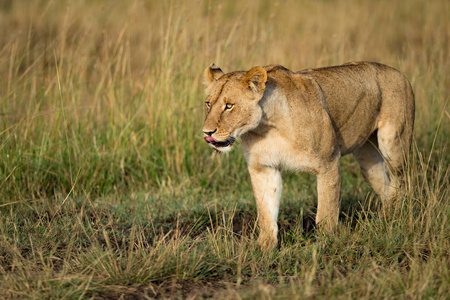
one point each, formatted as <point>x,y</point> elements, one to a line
<point>359,94</point>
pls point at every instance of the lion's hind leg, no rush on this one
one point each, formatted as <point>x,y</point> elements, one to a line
<point>373,167</point>
<point>394,141</point>
<point>382,158</point>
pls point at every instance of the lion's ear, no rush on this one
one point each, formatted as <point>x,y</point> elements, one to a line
<point>211,74</point>
<point>255,80</point>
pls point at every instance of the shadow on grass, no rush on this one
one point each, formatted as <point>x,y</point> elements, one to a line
<point>78,226</point>
<point>294,219</point>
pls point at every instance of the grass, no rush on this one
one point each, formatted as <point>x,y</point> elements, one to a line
<point>107,189</point>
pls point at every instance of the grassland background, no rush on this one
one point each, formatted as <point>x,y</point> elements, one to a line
<point>107,188</point>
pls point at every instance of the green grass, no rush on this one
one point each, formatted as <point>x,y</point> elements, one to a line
<point>107,189</point>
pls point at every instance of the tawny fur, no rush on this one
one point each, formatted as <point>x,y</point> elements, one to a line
<point>307,120</point>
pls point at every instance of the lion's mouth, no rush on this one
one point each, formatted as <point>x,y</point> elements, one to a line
<point>216,143</point>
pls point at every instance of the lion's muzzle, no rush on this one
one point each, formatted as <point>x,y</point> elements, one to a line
<point>228,142</point>
<point>210,139</point>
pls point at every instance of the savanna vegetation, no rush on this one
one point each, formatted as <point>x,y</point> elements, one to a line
<point>108,190</point>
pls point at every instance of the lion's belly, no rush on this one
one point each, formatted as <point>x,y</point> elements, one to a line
<point>354,117</point>
<point>357,127</point>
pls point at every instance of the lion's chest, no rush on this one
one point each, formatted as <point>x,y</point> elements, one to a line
<point>279,152</point>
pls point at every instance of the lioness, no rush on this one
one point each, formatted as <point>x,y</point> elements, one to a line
<point>306,121</point>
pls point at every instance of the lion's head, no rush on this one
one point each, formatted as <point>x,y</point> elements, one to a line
<point>232,107</point>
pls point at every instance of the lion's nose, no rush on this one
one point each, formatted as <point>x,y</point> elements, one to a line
<point>209,132</point>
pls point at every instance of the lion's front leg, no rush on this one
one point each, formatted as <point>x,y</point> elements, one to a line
<point>267,186</point>
<point>329,191</point>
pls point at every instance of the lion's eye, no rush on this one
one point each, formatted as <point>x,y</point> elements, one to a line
<point>208,105</point>
<point>229,106</point>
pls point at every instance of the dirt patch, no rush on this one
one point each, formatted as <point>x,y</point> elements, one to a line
<point>174,290</point>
